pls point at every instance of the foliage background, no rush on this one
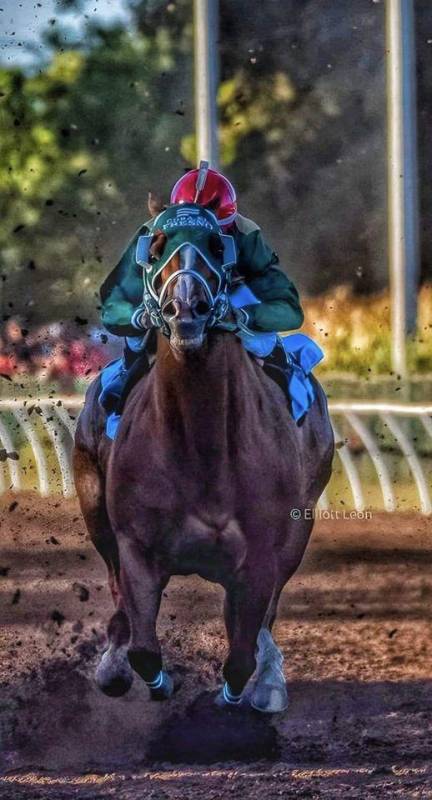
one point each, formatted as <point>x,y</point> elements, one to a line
<point>100,119</point>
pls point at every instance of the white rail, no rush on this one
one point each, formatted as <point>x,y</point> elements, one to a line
<point>31,419</point>
<point>394,417</point>
<point>47,425</point>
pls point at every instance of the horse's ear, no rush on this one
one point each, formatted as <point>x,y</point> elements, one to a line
<point>155,204</point>
<point>158,244</point>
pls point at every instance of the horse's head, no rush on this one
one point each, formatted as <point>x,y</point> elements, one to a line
<point>186,268</point>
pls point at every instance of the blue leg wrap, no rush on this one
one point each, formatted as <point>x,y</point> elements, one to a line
<point>157,682</point>
<point>162,686</point>
<point>233,699</point>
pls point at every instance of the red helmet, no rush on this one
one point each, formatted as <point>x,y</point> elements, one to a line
<point>208,188</point>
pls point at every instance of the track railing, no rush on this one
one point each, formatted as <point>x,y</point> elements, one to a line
<point>393,417</point>
<point>47,427</point>
<point>41,431</point>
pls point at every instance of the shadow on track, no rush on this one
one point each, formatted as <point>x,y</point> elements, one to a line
<point>205,734</point>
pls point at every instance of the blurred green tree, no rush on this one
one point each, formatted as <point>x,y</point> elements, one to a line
<point>302,105</point>
<point>84,140</point>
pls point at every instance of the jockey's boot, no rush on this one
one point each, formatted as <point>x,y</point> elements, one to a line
<point>135,363</point>
<point>290,377</point>
<point>278,366</point>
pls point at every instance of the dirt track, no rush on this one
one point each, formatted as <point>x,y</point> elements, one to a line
<point>354,627</point>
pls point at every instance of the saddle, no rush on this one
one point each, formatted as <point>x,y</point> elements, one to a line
<point>288,360</point>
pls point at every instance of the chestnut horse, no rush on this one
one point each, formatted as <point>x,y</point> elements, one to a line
<point>208,474</point>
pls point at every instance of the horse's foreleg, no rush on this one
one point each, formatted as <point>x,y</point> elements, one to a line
<point>269,692</point>
<point>113,675</point>
<point>142,584</point>
<point>90,487</point>
<point>288,561</point>
<point>246,601</point>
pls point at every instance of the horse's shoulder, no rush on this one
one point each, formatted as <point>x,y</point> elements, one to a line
<point>91,421</point>
<point>273,408</point>
<point>137,404</point>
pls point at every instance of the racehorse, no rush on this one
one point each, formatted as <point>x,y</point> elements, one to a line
<point>208,474</point>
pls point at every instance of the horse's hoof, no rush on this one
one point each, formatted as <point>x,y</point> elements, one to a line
<point>226,699</point>
<point>162,688</point>
<point>271,696</point>
<point>114,676</point>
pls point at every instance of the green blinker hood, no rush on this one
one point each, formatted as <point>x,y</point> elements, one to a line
<point>185,223</point>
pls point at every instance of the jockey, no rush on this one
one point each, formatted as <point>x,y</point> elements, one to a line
<point>278,308</point>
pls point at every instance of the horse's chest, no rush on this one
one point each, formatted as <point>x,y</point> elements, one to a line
<point>209,544</point>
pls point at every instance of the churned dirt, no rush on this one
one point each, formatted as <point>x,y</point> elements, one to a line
<point>354,626</point>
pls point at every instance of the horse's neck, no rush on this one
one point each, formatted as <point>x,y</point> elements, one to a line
<point>200,398</point>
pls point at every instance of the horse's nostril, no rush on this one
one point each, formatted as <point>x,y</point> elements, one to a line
<point>178,309</point>
<point>201,308</point>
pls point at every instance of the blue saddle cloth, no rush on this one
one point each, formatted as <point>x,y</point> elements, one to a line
<point>303,354</point>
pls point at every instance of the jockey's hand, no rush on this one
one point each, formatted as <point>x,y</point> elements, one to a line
<point>141,319</point>
<point>234,320</point>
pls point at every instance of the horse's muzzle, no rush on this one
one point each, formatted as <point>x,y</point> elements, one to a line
<point>187,323</point>
<point>188,335</point>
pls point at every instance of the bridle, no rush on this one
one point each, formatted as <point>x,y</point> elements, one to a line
<point>153,301</point>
